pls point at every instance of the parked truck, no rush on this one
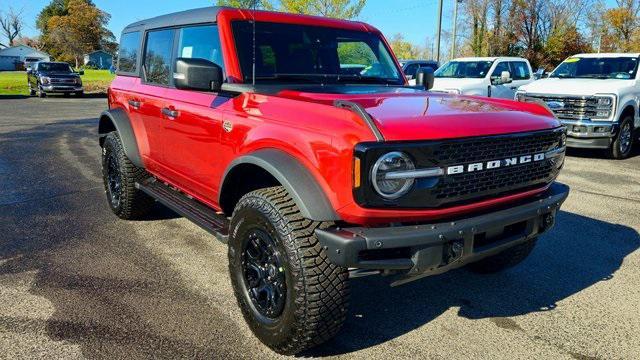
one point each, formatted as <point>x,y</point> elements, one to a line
<point>248,124</point>
<point>498,77</point>
<point>596,96</point>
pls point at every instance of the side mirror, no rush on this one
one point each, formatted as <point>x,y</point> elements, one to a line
<point>29,70</point>
<point>197,74</point>
<point>425,77</point>
<point>505,77</point>
<point>81,72</point>
<point>538,74</point>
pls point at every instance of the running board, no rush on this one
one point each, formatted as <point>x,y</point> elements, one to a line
<point>184,205</point>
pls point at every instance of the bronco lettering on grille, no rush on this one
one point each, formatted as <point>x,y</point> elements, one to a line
<point>494,164</point>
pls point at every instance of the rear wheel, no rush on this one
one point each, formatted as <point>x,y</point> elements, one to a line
<point>623,143</point>
<point>290,295</point>
<point>504,260</point>
<point>119,176</point>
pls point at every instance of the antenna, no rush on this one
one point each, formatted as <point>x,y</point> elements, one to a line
<point>253,62</point>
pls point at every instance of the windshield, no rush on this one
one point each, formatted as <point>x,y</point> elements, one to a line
<point>313,54</point>
<point>597,68</point>
<point>54,67</point>
<point>464,69</point>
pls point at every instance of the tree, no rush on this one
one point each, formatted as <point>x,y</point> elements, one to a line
<point>82,30</point>
<point>11,25</point>
<point>622,26</point>
<point>247,4</point>
<point>402,48</point>
<point>339,9</point>
<point>34,42</point>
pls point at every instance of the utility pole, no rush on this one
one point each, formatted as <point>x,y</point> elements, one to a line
<point>455,27</point>
<point>439,30</point>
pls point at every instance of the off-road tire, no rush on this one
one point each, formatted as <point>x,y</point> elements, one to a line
<point>133,203</point>
<point>31,91</point>
<point>615,151</point>
<point>317,291</point>
<point>79,94</point>
<point>504,260</point>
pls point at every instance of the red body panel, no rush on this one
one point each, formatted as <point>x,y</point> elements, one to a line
<point>193,151</point>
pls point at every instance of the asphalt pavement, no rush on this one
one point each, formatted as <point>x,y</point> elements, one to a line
<point>77,282</point>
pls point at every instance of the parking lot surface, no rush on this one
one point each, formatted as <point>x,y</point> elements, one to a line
<point>76,282</point>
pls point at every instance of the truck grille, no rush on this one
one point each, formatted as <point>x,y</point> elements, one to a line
<point>468,187</point>
<point>63,81</point>
<point>575,108</point>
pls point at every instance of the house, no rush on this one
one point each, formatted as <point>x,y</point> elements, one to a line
<point>99,59</point>
<point>19,57</point>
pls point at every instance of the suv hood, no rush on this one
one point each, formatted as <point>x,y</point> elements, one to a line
<point>409,114</point>
<point>461,84</point>
<point>580,87</point>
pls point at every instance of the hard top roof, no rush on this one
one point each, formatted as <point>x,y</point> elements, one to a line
<point>193,16</point>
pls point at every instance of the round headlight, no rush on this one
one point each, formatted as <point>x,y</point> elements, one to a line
<point>392,188</point>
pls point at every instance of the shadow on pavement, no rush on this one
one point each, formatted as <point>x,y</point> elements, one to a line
<point>578,253</point>
<point>600,153</point>
<point>89,281</point>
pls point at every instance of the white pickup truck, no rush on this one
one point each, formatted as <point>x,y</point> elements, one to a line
<point>596,96</point>
<point>497,77</point>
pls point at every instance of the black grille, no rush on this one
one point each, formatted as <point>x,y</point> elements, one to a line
<point>492,148</point>
<point>466,187</point>
<point>492,181</point>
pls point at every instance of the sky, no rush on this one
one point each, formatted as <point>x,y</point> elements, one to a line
<point>415,19</point>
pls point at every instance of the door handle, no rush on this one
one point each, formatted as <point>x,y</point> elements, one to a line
<point>170,113</point>
<point>135,104</point>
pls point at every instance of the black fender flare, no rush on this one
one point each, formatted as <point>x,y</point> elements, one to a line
<point>294,176</point>
<point>118,119</point>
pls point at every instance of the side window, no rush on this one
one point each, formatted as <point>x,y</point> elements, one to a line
<point>157,58</point>
<point>520,71</point>
<point>128,52</point>
<point>201,42</point>
<point>411,70</point>
<point>503,66</point>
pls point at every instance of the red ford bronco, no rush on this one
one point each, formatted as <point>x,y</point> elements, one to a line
<point>297,140</point>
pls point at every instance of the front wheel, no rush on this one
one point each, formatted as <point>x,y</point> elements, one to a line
<point>504,260</point>
<point>120,176</point>
<point>289,293</point>
<point>623,143</point>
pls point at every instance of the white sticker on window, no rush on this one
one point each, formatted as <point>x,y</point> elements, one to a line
<point>187,52</point>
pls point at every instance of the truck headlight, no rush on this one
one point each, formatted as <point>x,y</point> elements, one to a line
<point>392,188</point>
<point>78,81</point>
<point>45,80</point>
<point>605,106</point>
<point>520,95</point>
<point>453,91</point>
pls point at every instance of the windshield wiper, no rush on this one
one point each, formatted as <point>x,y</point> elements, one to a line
<point>366,79</point>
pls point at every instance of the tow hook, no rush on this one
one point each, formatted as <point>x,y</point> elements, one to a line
<point>453,252</point>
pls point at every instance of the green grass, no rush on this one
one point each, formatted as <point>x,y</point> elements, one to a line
<point>15,82</point>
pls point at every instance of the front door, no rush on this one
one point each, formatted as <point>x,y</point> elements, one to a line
<point>192,123</point>
<point>502,91</point>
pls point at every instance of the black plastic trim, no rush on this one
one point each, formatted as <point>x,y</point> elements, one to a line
<point>343,245</point>
<point>289,172</point>
<point>121,122</point>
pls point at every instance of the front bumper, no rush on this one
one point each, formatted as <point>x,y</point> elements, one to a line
<point>434,248</point>
<point>590,134</point>
<point>61,89</point>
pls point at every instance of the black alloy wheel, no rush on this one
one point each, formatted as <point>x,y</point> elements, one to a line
<point>114,179</point>
<point>264,275</point>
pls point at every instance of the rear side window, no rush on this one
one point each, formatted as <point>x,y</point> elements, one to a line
<point>157,57</point>
<point>128,52</point>
<point>520,71</point>
<point>200,42</point>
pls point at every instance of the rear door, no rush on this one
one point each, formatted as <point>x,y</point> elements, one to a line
<point>192,136</point>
